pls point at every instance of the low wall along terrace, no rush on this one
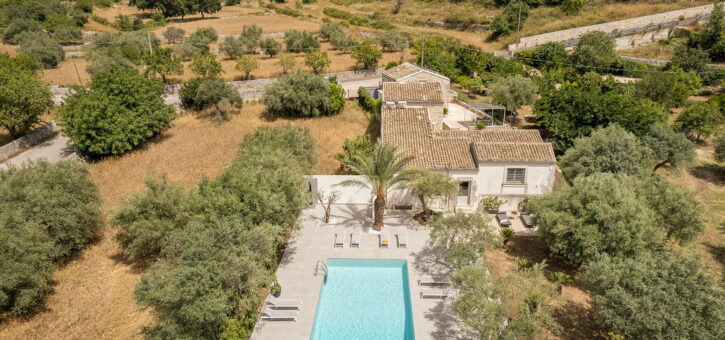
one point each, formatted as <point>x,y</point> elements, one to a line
<point>657,22</point>
<point>35,137</point>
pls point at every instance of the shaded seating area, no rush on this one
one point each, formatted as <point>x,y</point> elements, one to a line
<point>503,219</point>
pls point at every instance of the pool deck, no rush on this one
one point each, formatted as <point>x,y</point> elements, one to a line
<point>301,277</point>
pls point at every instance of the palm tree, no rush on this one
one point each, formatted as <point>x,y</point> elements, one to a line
<point>383,170</point>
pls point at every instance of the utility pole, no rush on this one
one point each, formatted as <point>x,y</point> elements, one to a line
<point>422,52</point>
<point>518,27</point>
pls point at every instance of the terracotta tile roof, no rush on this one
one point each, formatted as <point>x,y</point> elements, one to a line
<point>412,92</point>
<point>514,152</point>
<point>407,69</point>
<point>410,130</point>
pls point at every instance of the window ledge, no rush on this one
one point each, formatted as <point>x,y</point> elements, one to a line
<point>514,184</point>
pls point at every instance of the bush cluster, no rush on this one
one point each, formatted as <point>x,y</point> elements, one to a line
<point>367,101</point>
<point>216,247</point>
<point>303,95</point>
<point>48,212</point>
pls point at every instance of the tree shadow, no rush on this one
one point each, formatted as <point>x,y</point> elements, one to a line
<point>445,322</point>
<point>710,172</point>
<point>577,322</point>
<point>534,249</point>
<point>717,252</point>
<point>431,261</point>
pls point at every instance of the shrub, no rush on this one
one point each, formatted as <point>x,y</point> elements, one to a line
<point>31,240</point>
<point>367,101</point>
<point>572,6</point>
<point>41,47</point>
<point>121,111</point>
<point>464,21</point>
<point>145,220</point>
<point>505,23</point>
<point>205,66</point>
<point>23,96</point>
<point>594,49</point>
<point>337,13</point>
<point>126,23</point>
<point>299,95</point>
<point>300,41</point>
<point>251,35</point>
<point>19,26</point>
<point>289,11</point>
<point>219,94</point>
<point>317,60</point>
<point>202,38</point>
<point>101,20</point>
<point>187,94</point>
<point>342,41</point>
<point>700,119</point>
<point>67,34</point>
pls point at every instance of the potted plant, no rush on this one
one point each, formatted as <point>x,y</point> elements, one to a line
<point>480,126</point>
<point>507,234</point>
<point>491,204</point>
<point>275,289</point>
<point>445,110</point>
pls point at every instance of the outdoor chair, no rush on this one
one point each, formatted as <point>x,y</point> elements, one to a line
<point>503,219</point>
<point>384,238</point>
<point>340,235</point>
<point>402,237</point>
<point>277,315</point>
<point>431,280</point>
<point>526,220</point>
<point>283,303</point>
<point>436,293</point>
<point>356,236</point>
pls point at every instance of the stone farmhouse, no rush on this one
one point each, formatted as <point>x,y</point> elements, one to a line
<point>421,116</point>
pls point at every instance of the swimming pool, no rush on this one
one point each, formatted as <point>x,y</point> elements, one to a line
<point>364,299</point>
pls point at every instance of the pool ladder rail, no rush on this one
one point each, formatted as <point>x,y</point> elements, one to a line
<point>321,265</point>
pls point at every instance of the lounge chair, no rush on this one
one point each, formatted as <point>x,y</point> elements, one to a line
<point>276,315</point>
<point>436,293</point>
<point>355,237</point>
<point>526,220</point>
<point>431,280</point>
<point>384,238</point>
<point>503,219</point>
<point>283,303</point>
<point>340,235</point>
<point>402,237</point>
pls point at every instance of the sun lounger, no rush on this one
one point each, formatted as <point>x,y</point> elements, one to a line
<point>402,237</point>
<point>276,315</point>
<point>340,235</point>
<point>283,303</point>
<point>526,220</point>
<point>384,238</point>
<point>356,236</point>
<point>503,219</point>
<point>436,293</point>
<point>431,280</point>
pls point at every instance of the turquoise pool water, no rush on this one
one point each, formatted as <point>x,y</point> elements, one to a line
<point>364,300</point>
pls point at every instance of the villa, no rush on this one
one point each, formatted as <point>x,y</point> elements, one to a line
<point>421,116</point>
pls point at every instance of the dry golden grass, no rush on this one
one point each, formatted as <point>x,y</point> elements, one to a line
<point>270,23</point>
<point>197,146</point>
<point>650,51</point>
<point>92,299</point>
<point>65,74</point>
<point>9,49</point>
<point>706,179</point>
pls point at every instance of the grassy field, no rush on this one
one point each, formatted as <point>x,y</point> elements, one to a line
<point>92,297</point>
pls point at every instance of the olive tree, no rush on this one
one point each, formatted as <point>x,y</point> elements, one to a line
<point>668,146</point>
<point>393,41</point>
<point>700,119</point>
<point>366,54</point>
<point>42,47</point>
<point>660,295</point>
<point>426,184</point>
<point>512,306</point>
<point>174,35</point>
<point>247,64</point>
<point>513,92</point>
<point>612,149</point>
<point>464,237</point>
<point>317,60</point>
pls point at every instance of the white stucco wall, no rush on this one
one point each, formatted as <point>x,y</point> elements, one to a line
<point>492,175</point>
<point>353,194</point>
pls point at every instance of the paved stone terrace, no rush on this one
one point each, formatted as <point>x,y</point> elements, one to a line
<point>297,274</point>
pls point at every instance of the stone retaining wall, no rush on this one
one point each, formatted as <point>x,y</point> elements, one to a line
<point>35,137</point>
<point>620,28</point>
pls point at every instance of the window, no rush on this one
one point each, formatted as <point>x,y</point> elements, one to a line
<point>515,175</point>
